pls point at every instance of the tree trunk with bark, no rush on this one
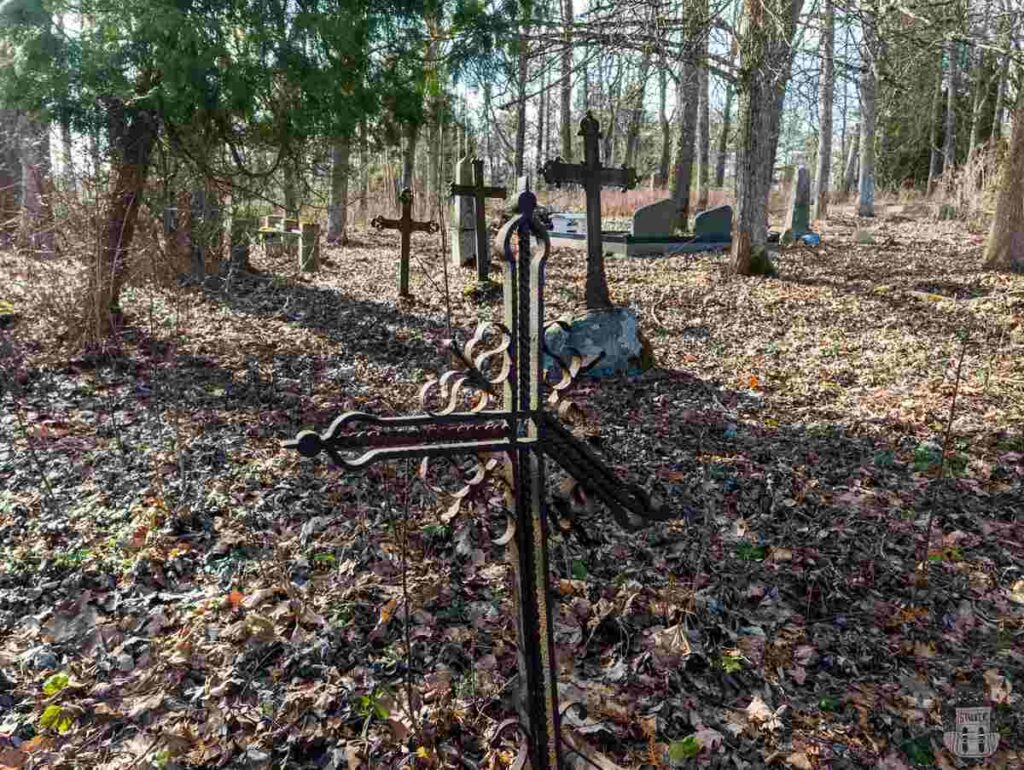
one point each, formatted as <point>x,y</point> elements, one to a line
<point>364,172</point>
<point>522,75</point>
<point>636,114</point>
<point>682,173</point>
<point>868,107</point>
<point>765,65</point>
<point>337,208</point>
<point>935,159</point>
<point>412,135</point>
<point>703,128</point>
<point>949,148</point>
<point>850,168</point>
<point>666,129</point>
<point>37,185</point>
<point>1005,247</point>
<point>565,86</point>
<point>133,132</point>
<point>826,94</point>
<point>723,138</point>
<point>10,175</point>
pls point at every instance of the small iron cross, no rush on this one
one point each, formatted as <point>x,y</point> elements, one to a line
<point>592,176</point>
<point>479,192</point>
<point>406,225</point>
<point>504,362</point>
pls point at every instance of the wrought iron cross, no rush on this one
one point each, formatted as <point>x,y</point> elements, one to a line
<point>406,225</point>
<point>504,362</point>
<point>479,193</point>
<point>592,176</point>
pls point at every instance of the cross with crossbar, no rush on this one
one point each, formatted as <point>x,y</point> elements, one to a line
<point>479,192</point>
<point>406,225</point>
<point>510,369</point>
<point>592,176</point>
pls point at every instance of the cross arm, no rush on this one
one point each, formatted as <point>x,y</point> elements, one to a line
<point>410,437</point>
<point>629,504</point>
<point>425,227</point>
<point>384,223</point>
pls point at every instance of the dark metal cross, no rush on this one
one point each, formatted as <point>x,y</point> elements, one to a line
<point>479,193</point>
<point>511,370</point>
<point>406,225</point>
<point>592,176</point>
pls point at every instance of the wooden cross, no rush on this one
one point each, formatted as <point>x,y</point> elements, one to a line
<point>479,192</point>
<point>526,433</point>
<point>406,225</point>
<point>592,176</point>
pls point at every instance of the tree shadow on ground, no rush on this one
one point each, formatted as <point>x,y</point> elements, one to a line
<point>386,333</point>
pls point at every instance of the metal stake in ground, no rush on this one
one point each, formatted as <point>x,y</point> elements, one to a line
<point>406,225</point>
<point>592,176</point>
<point>526,434</point>
<point>479,193</point>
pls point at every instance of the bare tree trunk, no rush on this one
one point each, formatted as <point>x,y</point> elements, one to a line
<point>826,95</point>
<point>666,129</point>
<point>852,163</point>
<point>37,182</point>
<point>765,65</point>
<point>868,105</point>
<point>133,133</point>
<point>337,209</point>
<point>682,176</point>
<point>636,113</point>
<point>541,114</point>
<point>522,76</point>
<point>364,172</point>
<point>703,127</point>
<point>566,80</point>
<point>614,91</point>
<point>10,174</point>
<point>1005,248</point>
<point>935,161</point>
<point>412,135</point>
<point>291,189</point>
<point>723,138</point>
<point>949,149</point>
<point>1002,75</point>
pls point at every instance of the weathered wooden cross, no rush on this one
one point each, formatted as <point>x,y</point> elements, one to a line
<point>406,225</point>
<point>526,433</point>
<point>592,176</point>
<point>479,193</point>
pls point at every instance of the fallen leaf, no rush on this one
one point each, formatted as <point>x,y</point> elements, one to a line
<point>999,687</point>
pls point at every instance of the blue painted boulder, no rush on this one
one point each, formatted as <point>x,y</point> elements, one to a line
<point>614,332</point>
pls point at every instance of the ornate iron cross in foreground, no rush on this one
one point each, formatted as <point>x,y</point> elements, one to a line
<point>526,433</point>
<point>406,226</point>
<point>479,193</point>
<point>592,176</point>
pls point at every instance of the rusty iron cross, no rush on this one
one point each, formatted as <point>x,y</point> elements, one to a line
<point>504,363</point>
<point>479,192</point>
<point>406,225</point>
<point>592,176</point>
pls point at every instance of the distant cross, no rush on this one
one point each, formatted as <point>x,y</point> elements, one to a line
<point>527,434</point>
<point>406,226</point>
<point>592,176</point>
<point>479,193</point>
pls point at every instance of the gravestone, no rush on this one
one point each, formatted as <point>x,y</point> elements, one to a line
<point>713,225</point>
<point>463,227</point>
<point>798,220</point>
<point>565,222</point>
<point>479,192</point>
<point>309,247</point>
<point>613,332</point>
<point>655,220</point>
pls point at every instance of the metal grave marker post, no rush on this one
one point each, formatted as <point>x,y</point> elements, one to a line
<point>406,225</point>
<point>526,433</point>
<point>592,176</point>
<point>479,193</point>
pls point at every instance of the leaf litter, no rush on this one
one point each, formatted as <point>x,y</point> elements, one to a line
<point>179,592</point>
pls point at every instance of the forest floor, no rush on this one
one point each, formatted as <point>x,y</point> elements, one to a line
<point>176,590</point>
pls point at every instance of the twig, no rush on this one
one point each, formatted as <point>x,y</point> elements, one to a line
<point>942,463</point>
